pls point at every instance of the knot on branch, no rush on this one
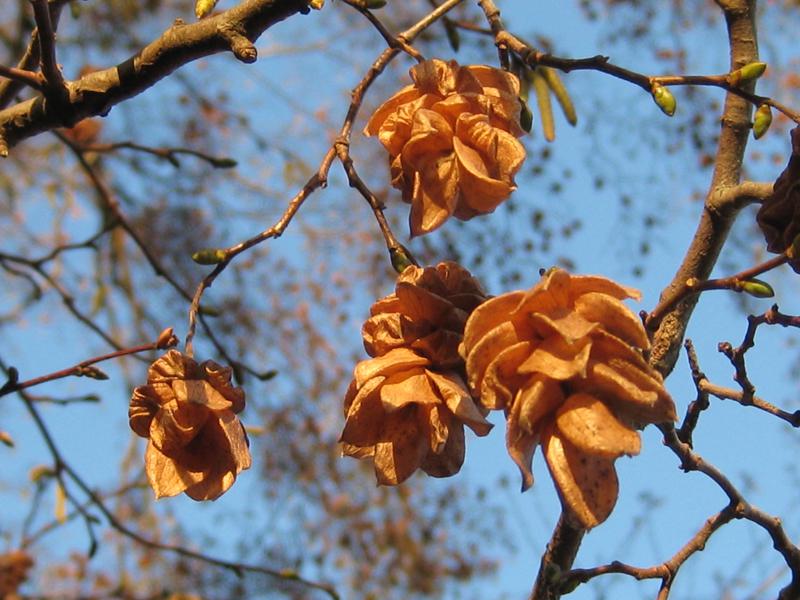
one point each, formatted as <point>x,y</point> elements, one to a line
<point>241,46</point>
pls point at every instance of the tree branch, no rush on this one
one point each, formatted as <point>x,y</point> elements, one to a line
<point>96,93</point>
<point>716,220</point>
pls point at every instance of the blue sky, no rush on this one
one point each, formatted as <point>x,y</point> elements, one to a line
<point>659,507</point>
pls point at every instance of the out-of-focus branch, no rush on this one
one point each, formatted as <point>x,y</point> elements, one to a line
<point>97,92</point>
<point>55,88</point>
<point>168,154</point>
<point>29,60</point>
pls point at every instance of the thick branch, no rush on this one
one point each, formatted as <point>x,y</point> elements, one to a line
<point>716,220</point>
<point>95,93</point>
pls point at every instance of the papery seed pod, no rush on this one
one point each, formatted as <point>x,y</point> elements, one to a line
<point>452,141</point>
<point>188,413</point>
<point>664,99</point>
<point>762,120</point>
<point>778,217</point>
<point>564,360</point>
<point>407,407</point>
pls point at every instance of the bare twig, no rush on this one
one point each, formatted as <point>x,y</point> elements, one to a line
<point>85,369</point>
<point>693,286</point>
<point>320,178</point>
<point>55,88</point>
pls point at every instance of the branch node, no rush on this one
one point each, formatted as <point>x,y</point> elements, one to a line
<point>242,48</point>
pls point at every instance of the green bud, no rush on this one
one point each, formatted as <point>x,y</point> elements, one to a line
<point>664,99</point>
<point>91,372</point>
<point>224,163</point>
<point>749,72</point>
<point>203,7</point>
<point>209,256</point>
<point>453,37</point>
<point>525,116</point>
<point>209,311</point>
<point>762,120</point>
<point>401,258</point>
<point>756,288</point>
<point>267,375</point>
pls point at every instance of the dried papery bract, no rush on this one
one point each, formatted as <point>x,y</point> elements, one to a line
<point>407,406</point>
<point>188,413</point>
<point>564,361</point>
<point>14,567</point>
<point>779,215</point>
<point>451,138</point>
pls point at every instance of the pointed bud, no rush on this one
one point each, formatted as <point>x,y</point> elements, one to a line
<point>6,439</point>
<point>756,288</point>
<point>749,72</point>
<point>762,120</point>
<point>209,256</point>
<point>525,116</point>
<point>316,4</point>
<point>374,4</point>
<point>91,372</point>
<point>203,7</point>
<point>166,339</point>
<point>209,311</point>
<point>224,163</point>
<point>453,37</point>
<point>40,472</point>
<point>401,258</point>
<point>664,99</point>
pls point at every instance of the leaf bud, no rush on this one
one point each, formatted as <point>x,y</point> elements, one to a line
<point>762,120</point>
<point>166,339</point>
<point>756,288</point>
<point>401,258</point>
<point>525,116</point>
<point>663,99</point>
<point>209,256</point>
<point>749,72</point>
<point>204,7</point>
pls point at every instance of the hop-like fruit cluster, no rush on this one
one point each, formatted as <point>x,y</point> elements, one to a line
<point>451,138</point>
<point>779,214</point>
<point>407,406</point>
<point>14,567</point>
<point>564,361</point>
<point>188,411</point>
